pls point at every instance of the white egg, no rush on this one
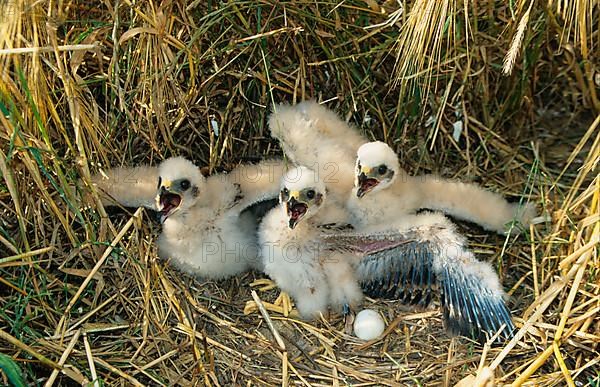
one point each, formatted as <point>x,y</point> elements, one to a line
<point>368,324</point>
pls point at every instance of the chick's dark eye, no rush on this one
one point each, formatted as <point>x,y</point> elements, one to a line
<point>382,169</point>
<point>310,194</point>
<point>285,192</point>
<point>185,184</point>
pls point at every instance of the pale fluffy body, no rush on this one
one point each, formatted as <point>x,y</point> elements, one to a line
<point>295,258</point>
<point>207,238</point>
<point>209,234</point>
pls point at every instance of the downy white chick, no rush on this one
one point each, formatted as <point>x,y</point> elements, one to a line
<point>292,249</point>
<point>383,191</point>
<point>408,255</point>
<point>420,257</point>
<point>209,224</point>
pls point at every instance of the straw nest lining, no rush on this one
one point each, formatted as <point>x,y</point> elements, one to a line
<point>87,86</point>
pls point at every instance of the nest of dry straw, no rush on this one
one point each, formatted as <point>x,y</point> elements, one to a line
<point>89,85</point>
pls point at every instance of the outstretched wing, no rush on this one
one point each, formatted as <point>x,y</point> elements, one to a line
<point>413,264</point>
<point>410,279</point>
<point>303,128</point>
<point>392,265</point>
<point>472,302</point>
<point>488,209</point>
<point>256,182</point>
<point>314,136</point>
<point>128,187</point>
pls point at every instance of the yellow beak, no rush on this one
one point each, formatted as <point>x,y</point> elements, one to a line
<point>366,170</point>
<point>295,194</point>
<point>165,185</point>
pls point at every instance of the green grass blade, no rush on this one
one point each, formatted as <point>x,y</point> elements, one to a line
<point>12,371</point>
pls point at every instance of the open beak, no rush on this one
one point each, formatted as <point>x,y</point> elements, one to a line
<point>295,211</point>
<point>365,184</point>
<point>167,202</point>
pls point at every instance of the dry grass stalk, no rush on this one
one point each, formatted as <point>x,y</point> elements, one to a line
<point>429,27</point>
<point>517,41</point>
